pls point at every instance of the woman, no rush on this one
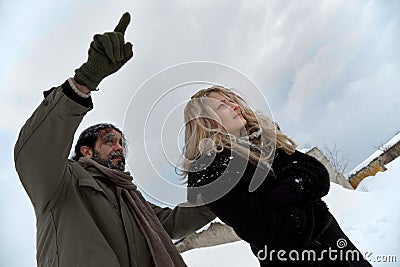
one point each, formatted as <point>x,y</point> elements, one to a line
<point>252,177</point>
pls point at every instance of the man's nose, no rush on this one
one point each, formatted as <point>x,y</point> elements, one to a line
<point>119,148</point>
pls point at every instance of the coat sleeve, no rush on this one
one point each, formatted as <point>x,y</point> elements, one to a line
<point>44,142</point>
<point>259,219</point>
<point>182,221</point>
<point>304,179</point>
<point>260,222</point>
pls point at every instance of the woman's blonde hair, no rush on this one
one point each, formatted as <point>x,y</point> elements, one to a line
<point>204,132</point>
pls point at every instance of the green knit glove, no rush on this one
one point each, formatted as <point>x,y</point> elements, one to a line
<point>108,52</point>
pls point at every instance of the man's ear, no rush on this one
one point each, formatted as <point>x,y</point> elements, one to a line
<point>86,151</point>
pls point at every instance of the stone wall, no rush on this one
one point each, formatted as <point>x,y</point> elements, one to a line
<point>376,165</point>
<point>391,153</point>
<point>334,176</point>
<point>216,234</point>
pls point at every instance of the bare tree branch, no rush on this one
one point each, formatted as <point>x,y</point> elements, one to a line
<point>338,161</point>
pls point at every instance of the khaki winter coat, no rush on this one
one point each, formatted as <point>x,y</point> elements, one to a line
<point>82,219</point>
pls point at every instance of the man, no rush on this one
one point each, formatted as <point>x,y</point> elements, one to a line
<point>88,211</point>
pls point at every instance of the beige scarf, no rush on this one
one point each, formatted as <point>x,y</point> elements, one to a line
<point>161,247</point>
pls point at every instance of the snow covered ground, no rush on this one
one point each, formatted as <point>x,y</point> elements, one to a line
<point>370,219</point>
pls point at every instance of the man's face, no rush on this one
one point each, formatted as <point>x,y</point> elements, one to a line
<point>109,149</point>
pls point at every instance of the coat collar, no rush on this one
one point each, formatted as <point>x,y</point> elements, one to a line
<point>86,178</point>
<point>90,182</point>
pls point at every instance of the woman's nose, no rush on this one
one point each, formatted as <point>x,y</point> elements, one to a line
<point>233,106</point>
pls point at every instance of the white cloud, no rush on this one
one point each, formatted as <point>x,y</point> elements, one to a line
<point>333,63</point>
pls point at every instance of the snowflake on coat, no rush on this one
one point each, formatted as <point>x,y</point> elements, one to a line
<point>208,168</point>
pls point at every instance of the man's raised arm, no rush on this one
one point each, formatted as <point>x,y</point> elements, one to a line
<point>42,149</point>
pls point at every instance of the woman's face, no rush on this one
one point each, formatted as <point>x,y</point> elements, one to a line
<point>229,113</point>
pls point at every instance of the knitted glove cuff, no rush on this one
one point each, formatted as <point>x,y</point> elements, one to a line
<point>88,75</point>
<point>76,90</point>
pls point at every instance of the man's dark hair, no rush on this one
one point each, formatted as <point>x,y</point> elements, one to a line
<point>89,137</point>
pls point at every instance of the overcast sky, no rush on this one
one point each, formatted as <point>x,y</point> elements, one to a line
<point>327,71</point>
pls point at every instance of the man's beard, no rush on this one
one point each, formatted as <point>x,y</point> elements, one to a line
<point>108,162</point>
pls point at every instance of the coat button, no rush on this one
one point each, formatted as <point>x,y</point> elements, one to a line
<point>94,192</point>
<point>116,206</point>
<point>45,102</point>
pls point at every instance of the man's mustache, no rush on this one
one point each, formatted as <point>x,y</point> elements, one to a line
<point>115,155</point>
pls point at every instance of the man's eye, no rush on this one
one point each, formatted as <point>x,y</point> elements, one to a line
<point>109,141</point>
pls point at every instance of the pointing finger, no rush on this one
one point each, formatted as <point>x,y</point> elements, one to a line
<point>123,23</point>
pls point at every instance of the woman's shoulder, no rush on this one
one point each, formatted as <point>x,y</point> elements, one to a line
<point>213,165</point>
<point>298,161</point>
<point>282,161</point>
<point>211,160</point>
<point>296,157</point>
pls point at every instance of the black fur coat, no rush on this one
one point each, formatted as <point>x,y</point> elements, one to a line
<point>284,213</point>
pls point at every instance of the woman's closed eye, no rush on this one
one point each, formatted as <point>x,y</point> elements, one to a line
<point>222,105</point>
